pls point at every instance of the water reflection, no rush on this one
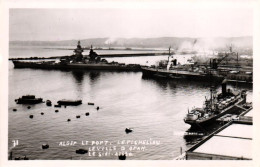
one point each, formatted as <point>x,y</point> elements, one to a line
<point>173,84</point>
<point>94,76</point>
<point>78,75</point>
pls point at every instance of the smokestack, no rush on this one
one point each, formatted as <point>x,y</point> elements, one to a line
<point>175,62</point>
<point>224,87</point>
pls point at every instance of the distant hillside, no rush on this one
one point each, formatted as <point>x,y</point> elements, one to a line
<point>163,42</point>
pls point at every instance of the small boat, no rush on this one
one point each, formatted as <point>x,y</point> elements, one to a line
<point>68,120</point>
<point>28,99</point>
<point>81,151</point>
<point>42,113</point>
<point>87,114</point>
<point>78,116</point>
<point>97,107</point>
<point>89,103</point>
<point>31,116</point>
<point>57,105</point>
<point>45,146</point>
<point>128,130</point>
<point>14,109</point>
<point>29,107</point>
<point>48,103</point>
<point>122,157</point>
<point>56,110</point>
<point>69,102</point>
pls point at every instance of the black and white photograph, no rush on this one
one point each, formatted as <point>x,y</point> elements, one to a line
<point>138,80</point>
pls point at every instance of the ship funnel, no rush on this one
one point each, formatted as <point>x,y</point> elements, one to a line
<point>224,87</point>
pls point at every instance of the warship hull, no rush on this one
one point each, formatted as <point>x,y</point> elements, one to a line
<point>180,74</point>
<point>71,66</point>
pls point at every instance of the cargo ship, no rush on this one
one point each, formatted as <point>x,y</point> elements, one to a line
<point>78,61</point>
<point>215,107</point>
<point>211,72</point>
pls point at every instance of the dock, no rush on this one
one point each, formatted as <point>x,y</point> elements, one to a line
<point>233,141</point>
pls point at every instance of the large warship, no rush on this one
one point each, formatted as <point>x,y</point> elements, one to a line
<point>216,106</point>
<point>78,61</point>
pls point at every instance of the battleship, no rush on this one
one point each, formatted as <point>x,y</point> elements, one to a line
<point>78,61</point>
<point>215,107</point>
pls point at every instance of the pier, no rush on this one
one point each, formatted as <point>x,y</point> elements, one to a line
<point>226,143</point>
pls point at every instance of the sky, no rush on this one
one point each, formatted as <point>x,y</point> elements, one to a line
<point>64,24</point>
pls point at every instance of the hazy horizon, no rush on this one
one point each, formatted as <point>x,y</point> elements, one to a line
<point>129,38</point>
<point>69,24</point>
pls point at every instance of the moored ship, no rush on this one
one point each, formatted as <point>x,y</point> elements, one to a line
<point>28,99</point>
<point>215,107</point>
<point>79,61</point>
<point>211,71</point>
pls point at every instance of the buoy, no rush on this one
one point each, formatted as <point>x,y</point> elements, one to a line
<point>48,103</point>
<point>45,146</point>
<point>31,116</point>
<point>29,107</point>
<point>81,151</point>
<point>56,110</point>
<point>122,157</point>
<point>42,113</point>
<point>68,120</point>
<point>128,130</point>
<point>97,108</point>
<point>25,158</point>
<point>14,109</point>
<point>87,114</point>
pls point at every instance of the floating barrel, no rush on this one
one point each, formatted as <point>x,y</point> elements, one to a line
<point>48,103</point>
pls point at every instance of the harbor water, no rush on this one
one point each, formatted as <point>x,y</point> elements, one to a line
<point>153,108</point>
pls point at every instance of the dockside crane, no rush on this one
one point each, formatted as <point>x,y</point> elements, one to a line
<point>216,61</point>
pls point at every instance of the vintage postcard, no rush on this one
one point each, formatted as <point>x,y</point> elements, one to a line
<point>132,82</point>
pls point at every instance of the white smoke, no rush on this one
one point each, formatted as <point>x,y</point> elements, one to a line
<point>110,41</point>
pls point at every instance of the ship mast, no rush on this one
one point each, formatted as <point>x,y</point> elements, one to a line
<point>169,54</point>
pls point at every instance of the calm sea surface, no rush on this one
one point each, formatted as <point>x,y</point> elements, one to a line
<point>153,108</point>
